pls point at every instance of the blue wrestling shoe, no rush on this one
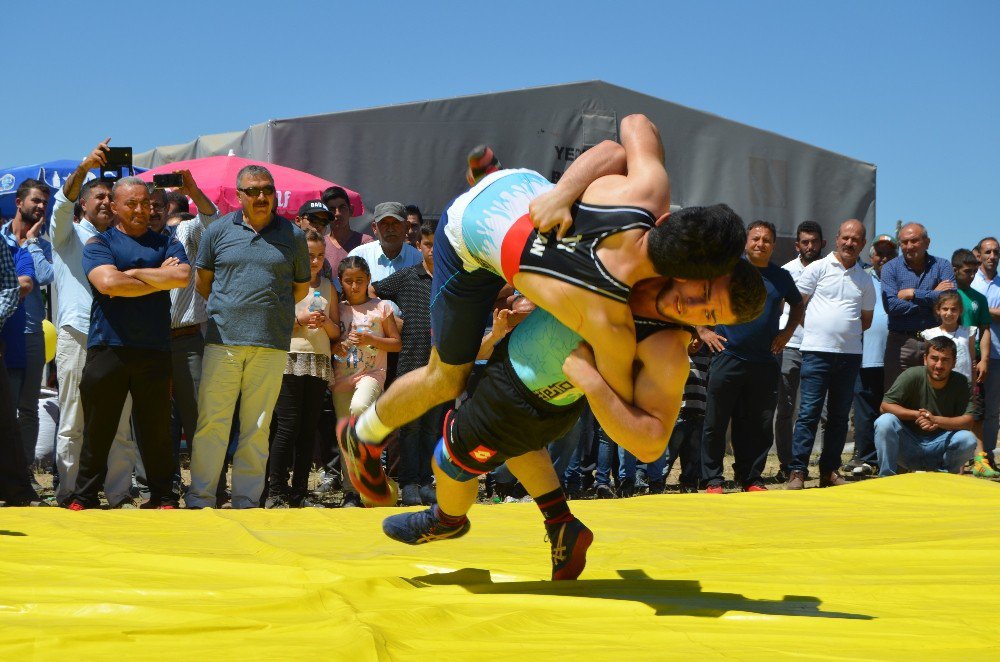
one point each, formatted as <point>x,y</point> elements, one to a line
<point>421,527</point>
<point>570,541</point>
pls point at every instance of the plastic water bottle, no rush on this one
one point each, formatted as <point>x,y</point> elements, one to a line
<point>318,303</point>
<point>354,356</point>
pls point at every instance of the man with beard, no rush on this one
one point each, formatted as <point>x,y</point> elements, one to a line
<point>840,299</point>
<point>926,416</point>
<point>73,304</point>
<point>809,243</point>
<point>25,230</point>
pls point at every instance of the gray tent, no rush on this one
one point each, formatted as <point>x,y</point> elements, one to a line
<point>415,152</point>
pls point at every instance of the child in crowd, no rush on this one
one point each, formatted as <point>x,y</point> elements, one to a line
<point>949,309</point>
<point>368,333</point>
<point>303,387</point>
<point>949,312</point>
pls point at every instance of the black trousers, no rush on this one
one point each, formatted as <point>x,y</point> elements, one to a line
<point>685,444</point>
<point>868,393</point>
<point>745,394</point>
<point>109,375</point>
<point>15,487</point>
<point>417,441</point>
<point>293,434</point>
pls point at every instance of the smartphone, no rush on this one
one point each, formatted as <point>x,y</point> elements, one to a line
<point>172,180</point>
<point>118,158</point>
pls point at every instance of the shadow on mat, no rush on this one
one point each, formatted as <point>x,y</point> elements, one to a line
<point>674,597</point>
<point>4,532</point>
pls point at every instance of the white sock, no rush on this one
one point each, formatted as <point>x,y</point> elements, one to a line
<point>370,427</point>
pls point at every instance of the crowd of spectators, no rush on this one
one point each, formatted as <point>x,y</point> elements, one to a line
<point>237,339</point>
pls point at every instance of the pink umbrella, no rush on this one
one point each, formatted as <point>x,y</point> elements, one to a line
<point>216,176</point>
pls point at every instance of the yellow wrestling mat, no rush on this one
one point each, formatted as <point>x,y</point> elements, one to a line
<point>898,568</point>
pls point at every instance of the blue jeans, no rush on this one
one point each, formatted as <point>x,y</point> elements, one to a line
<point>831,377</point>
<point>945,450</point>
<point>606,450</point>
<point>564,448</point>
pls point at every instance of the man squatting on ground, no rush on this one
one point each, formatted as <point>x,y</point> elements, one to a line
<point>614,237</point>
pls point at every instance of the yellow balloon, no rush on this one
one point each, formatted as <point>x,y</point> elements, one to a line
<point>49,329</point>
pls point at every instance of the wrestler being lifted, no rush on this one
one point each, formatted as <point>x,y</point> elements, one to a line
<point>575,250</point>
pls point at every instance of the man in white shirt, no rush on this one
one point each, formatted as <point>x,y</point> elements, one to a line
<point>840,300</point>
<point>809,243</point>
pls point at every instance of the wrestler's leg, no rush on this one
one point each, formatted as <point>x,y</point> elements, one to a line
<point>568,535</point>
<point>454,498</point>
<point>535,472</point>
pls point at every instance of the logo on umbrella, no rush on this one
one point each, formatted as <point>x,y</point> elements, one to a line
<point>7,182</point>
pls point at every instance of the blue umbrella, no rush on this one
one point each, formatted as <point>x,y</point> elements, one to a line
<point>53,173</point>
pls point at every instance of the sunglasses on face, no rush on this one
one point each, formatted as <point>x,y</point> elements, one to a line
<point>255,191</point>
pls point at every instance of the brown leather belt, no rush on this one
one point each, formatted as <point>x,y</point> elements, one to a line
<point>182,331</point>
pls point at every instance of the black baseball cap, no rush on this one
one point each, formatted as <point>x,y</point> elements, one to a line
<point>312,207</point>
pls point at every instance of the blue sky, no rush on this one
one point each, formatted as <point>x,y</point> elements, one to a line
<point>910,86</point>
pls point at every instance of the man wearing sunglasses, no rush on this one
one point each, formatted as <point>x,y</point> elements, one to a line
<point>252,266</point>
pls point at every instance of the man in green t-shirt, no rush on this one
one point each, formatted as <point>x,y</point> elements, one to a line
<point>975,314</point>
<point>926,416</point>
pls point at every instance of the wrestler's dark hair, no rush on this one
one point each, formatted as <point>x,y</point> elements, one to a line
<point>941,344</point>
<point>28,185</point>
<point>697,242</point>
<point>809,227</point>
<point>747,294</point>
<point>353,262</point>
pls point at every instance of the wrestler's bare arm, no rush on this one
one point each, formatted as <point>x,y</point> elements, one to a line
<point>550,210</point>
<point>644,428</point>
<point>645,182</point>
